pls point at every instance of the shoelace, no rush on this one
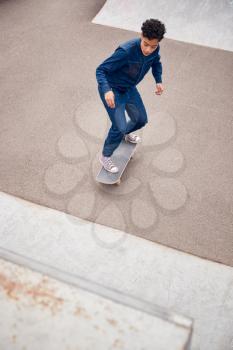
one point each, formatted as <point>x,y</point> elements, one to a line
<point>110,163</point>
<point>132,137</point>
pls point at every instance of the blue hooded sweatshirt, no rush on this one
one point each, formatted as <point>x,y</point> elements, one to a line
<point>127,66</point>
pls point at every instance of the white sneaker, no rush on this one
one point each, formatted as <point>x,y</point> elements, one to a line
<point>108,164</point>
<point>132,138</point>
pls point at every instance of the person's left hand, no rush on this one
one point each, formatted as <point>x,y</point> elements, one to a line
<point>159,89</point>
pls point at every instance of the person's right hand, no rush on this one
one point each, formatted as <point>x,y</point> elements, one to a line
<point>110,99</point>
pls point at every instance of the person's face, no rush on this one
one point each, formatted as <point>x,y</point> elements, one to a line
<point>148,46</point>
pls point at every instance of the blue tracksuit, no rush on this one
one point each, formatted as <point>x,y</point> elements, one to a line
<point>121,72</point>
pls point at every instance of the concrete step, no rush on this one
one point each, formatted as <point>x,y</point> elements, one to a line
<point>86,254</point>
<point>41,312</point>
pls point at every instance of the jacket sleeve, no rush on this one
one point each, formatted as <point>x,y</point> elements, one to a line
<point>112,63</point>
<point>157,70</point>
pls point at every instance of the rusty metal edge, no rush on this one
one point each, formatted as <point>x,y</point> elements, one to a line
<point>96,288</point>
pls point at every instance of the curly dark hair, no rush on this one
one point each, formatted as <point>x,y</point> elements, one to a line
<point>153,29</point>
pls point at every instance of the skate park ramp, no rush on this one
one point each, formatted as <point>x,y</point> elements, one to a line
<point>178,189</point>
<point>82,316</point>
<point>196,22</point>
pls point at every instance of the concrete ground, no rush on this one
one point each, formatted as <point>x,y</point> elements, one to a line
<point>77,319</point>
<point>176,193</point>
<point>203,22</point>
<point>82,253</point>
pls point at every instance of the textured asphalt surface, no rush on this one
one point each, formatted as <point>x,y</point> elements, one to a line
<point>178,189</point>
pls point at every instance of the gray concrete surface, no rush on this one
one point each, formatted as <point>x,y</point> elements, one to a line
<point>203,22</point>
<point>76,319</point>
<point>83,253</point>
<point>178,191</point>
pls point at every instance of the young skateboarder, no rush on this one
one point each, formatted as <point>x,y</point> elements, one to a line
<point>117,78</point>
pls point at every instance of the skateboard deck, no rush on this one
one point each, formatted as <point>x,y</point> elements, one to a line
<point>120,157</point>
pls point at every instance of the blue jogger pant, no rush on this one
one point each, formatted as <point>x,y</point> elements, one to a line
<point>130,102</point>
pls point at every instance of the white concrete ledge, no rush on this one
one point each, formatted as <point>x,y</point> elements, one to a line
<point>202,22</point>
<point>87,320</point>
<point>127,265</point>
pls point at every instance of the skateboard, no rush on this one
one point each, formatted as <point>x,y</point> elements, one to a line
<point>121,158</point>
